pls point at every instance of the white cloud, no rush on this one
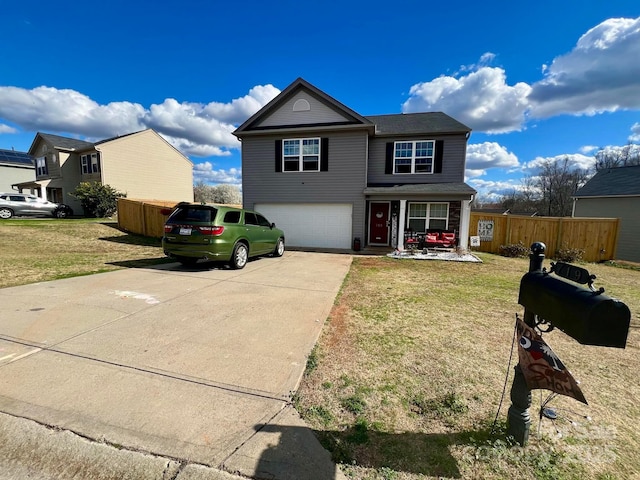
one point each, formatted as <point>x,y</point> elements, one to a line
<point>481,156</point>
<point>600,74</point>
<point>195,129</point>
<point>240,109</point>
<point>51,109</point>
<point>204,172</point>
<point>635,133</point>
<point>7,129</point>
<point>494,190</point>
<point>481,100</point>
<point>576,160</point>
<point>586,149</point>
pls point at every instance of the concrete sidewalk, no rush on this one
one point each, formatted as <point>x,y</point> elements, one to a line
<point>188,370</point>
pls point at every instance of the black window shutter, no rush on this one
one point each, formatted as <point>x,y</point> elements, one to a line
<point>278,155</point>
<point>98,161</point>
<point>388,165</point>
<point>324,155</point>
<point>437,168</point>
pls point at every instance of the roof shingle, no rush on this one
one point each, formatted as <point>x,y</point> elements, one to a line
<point>621,181</point>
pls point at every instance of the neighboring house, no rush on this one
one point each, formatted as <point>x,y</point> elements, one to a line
<point>143,165</point>
<point>327,175</point>
<point>614,192</point>
<point>15,167</point>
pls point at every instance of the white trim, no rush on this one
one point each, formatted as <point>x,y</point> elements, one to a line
<point>465,219</point>
<point>428,217</point>
<point>301,155</point>
<point>413,157</point>
<point>403,211</point>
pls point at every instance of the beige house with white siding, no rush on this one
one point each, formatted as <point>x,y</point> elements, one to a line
<point>143,165</point>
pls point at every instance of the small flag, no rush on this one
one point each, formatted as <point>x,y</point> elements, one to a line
<point>541,367</point>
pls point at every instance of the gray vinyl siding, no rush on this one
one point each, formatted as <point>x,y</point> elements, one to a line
<point>344,181</point>
<point>453,161</point>
<point>624,208</point>
<point>319,113</point>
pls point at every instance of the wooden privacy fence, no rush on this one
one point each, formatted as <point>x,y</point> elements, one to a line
<point>143,217</point>
<point>598,237</point>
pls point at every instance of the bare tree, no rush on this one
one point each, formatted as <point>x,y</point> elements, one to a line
<point>548,192</point>
<point>613,157</point>
<point>526,199</point>
<point>557,182</point>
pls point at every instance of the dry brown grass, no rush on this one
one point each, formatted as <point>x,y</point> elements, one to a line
<point>411,367</point>
<point>39,250</point>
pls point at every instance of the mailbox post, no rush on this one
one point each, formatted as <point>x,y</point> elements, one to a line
<point>558,299</point>
<point>519,419</point>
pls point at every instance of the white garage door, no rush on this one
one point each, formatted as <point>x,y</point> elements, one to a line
<point>325,225</point>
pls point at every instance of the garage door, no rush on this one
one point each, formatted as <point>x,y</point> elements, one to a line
<point>325,225</point>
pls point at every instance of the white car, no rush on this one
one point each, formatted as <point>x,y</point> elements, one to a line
<point>25,204</point>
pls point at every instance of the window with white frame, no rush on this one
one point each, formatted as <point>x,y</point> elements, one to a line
<point>90,163</point>
<point>301,155</point>
<point>413,157</point>
<point>41,166</point>
<point>428,216</point>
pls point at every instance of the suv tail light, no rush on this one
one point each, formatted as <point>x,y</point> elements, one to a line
<point>213,231</point>
<point>204,230</point>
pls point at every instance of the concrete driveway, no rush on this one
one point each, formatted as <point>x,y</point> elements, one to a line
<point>191,365</point>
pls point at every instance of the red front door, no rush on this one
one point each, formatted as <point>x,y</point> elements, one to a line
<point>379,223</point>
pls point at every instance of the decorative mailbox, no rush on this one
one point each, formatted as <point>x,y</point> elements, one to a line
<point>589,316</point>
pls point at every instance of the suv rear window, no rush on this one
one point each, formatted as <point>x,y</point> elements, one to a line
<point>194,214</point>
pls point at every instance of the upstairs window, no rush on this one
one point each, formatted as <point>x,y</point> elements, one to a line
<point>301,155</point>
<point>90,163</point>
<point>413,157</point>
<point>41,166</point>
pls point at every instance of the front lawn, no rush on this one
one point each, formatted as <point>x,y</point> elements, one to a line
<point>37,250</point>
<point>407,378</point>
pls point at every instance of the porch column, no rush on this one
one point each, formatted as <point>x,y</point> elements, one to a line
<point>401,215</point>
<point>465,218</point>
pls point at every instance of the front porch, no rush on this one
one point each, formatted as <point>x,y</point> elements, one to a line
<point>418,215</point>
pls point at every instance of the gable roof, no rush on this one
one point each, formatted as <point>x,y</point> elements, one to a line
<point>613,182</point>
<point>61,143</point>
<point>385,125</point>
<point>354,117</point>
<point>16,159</point>
<point>416,123</point>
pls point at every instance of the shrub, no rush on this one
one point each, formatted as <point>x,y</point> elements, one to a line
<point>517,250</point>
<point>569,255</point>
<point>97,200</point>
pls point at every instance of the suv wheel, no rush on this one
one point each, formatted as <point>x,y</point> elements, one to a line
<point>6,213</point>
<point>279,250</point>
<point>240,256</point>
<point>60,213</point>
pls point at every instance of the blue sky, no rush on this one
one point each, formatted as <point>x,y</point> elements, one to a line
<point>535,82</point>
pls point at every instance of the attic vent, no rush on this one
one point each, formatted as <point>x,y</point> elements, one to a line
<point>301,105</point>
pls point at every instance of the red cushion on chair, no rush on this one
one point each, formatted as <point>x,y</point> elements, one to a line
<point>449,238</point>
<point>431,238</point>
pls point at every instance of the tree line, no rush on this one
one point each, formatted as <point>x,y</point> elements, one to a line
<point>548,191</point>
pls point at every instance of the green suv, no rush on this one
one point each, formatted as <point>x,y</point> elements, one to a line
<point>217,232</point>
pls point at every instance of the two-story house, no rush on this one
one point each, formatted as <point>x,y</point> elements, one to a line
<point>15,167</point>
<point>143,165</point>
<point>327,175</point>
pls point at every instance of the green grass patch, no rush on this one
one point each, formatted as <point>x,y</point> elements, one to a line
<point>412,368</point>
